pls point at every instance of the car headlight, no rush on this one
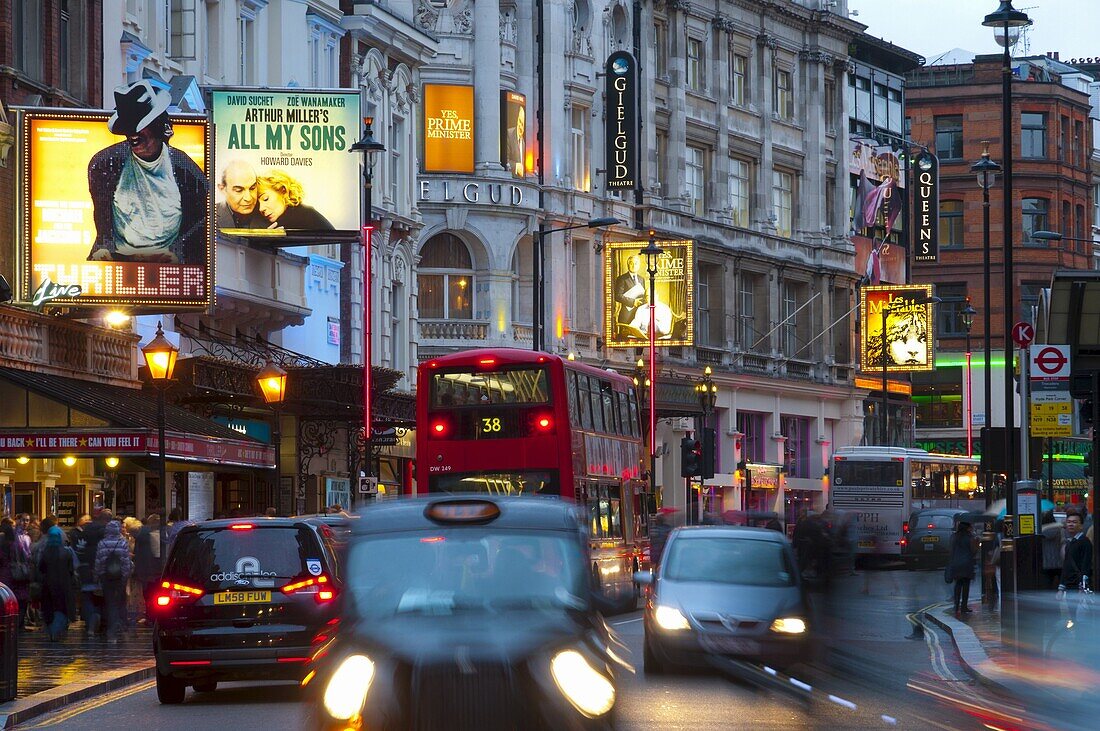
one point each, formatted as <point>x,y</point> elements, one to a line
<point>789,625</point>
<point>670,618</point>
<point>585,687</point>
<point>346,691</point>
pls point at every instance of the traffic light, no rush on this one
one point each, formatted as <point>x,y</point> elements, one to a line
<point>706,468</point>
<point>1088,465</point>
<point>1085,413</point>
<point>691,453</point>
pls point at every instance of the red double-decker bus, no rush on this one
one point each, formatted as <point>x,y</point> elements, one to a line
<point>517,422</point>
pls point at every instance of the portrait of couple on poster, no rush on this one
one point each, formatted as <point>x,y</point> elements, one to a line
<point>269,201</point>
<point>149,199</point>
<point>633,312</point>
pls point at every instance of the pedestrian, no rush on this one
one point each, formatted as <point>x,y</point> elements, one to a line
<point>1077,563</point>
<point>22,570</point>
<point>175,524</point>
<point>1053,545</point>
<point>57,569</point>
<point>112,570</point>
<point>8,561</point>
<point>135,603</point>
<point>271,513</point>
<point>91,594</point>
<point>148,564</point>
<point>658,535</point>
<point>960,566</point>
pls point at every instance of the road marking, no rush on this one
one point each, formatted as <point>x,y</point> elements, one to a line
<point>93,704</point>
<point>626,621</point>
<point>842,702</point>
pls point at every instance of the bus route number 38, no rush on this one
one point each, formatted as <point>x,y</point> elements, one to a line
<point>490,425</point>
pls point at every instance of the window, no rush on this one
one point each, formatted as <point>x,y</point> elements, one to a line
<point>660,164</point>
<point>1033,135</point>
<point>790,319</point>
<point>949,311</point>
<point>830,107</point>
<point>398,187</point>
<point>1063,140</point>
<point>751,426</point>
<point>27,34</point>
<point>796,452</point>
<point>951,224</point>
<point>710,324</point>
<point>739,74</point>
<point>1079,229</point>
<point>660,48</point>
<point>842,331</point>
<point>695,179</point>
<point>1078,135</point>
<point>747,333</point>
<point>739,191</point>
<point>399,328</point>
<point>1029,299</point>
<point>246,49</point>
<point>696,65</point>
<point>784,95</point>
<point>579,134</point>
<point>702,307</point>
<point>1067,220</point>
<point>1096,205</point>
<point>949,137</point>
<point>782,201</point>
<point>446,279</point>
<point>181,29</point>
<point>1035,219</point>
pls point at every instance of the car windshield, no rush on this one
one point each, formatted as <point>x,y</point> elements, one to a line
<point>728,560</point>
<point>465,570</point>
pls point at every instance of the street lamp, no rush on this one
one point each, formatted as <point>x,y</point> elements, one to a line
<point>707,391</point>
<point>884,420</point>
<point>967,316</point>
<point>652,252</point>
<point>369,148</point>
<point>986,171</point>
<point>272,381</point>
<point>1007,23</point>
<point>160,360</point>
<point>538,286</point>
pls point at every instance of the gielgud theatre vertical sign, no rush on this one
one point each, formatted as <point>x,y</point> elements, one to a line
<point>114,205</point>
<point>627,295</point>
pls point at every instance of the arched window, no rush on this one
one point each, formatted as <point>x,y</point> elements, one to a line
<point>446,279</point>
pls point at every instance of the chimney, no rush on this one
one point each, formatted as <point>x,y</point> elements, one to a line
<point>1056,56</point>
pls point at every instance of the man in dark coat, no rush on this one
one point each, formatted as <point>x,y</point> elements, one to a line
<point>1077,564</point>
<point>149,199</point>
<point>85,544</point>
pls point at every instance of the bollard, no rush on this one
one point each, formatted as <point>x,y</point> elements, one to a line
<point>9,649</point>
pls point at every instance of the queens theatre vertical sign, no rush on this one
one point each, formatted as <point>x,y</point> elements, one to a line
<point>926,197</point>
<point>621,126</point>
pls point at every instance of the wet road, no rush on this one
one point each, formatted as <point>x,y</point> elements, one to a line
<point>873,675</point>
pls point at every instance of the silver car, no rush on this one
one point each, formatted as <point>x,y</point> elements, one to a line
<point>725,591</point>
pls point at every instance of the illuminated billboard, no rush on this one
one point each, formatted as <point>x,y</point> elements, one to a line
<point>282,161</point>
<point>117,218</point>
<point>627,296</point>
<point>909,341</point>
<point>513,133</point>
<point>448,128</point>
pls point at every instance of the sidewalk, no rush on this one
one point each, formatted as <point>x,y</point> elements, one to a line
<point>53,674</point>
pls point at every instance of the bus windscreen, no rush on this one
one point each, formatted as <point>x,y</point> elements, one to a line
<point>519,386</point>
<point>522,483</point>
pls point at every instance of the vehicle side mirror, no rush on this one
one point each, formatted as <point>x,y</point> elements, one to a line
<point>644,578</point>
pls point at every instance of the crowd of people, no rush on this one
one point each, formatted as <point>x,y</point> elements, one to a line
<point>104,570</point>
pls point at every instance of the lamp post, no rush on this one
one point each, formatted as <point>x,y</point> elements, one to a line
<point>160,360</point>
<point>1006,22</point>
<point>887,308</point>
<point>369,148</point>
<point>272,382</point>
<point>967,316</point>
<point>538,286</point>
<point>652,252</point>
<point>986,171</point>
<point>707,391</point>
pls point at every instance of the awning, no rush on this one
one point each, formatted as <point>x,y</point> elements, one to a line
<point>132,416</point>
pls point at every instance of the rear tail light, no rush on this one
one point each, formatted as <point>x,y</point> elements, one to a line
<point>905,527</point>
<point>319,586</point>
<point>170,594</point>
<point>543,423</point>
<point>439,429</point>
<point>904,542</point>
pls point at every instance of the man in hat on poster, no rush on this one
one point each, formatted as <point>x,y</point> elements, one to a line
<point>149,200</point>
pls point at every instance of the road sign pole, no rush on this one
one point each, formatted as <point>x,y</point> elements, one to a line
<point>1025,416</point>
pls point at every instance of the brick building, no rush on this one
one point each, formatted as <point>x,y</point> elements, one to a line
<point>51,55</point>
<point>952,109</point>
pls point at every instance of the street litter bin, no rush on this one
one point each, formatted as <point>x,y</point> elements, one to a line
<point>9,651</point>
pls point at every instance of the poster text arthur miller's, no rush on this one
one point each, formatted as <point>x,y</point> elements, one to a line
<point>129,279</point>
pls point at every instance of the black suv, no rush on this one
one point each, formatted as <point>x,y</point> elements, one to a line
<point>243,599</point>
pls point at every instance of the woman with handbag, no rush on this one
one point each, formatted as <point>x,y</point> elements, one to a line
<point>960,566</point>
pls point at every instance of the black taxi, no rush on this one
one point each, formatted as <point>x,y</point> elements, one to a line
<point>243,599</point>
<point>468,613</point>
